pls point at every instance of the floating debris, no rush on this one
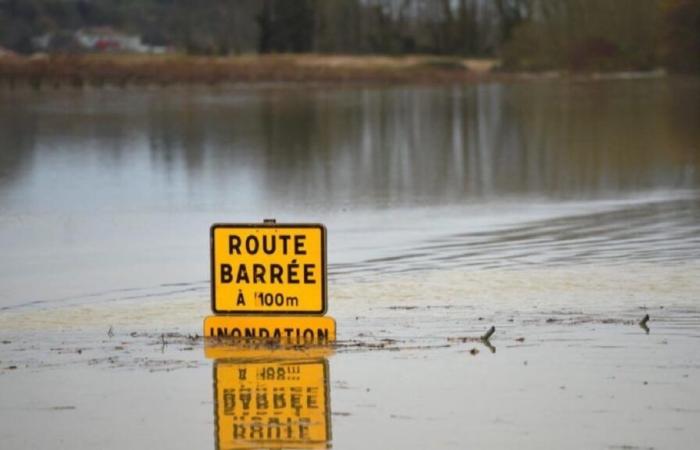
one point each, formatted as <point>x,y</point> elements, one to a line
<point>643,323</point>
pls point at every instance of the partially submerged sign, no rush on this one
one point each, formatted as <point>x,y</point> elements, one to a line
<point>290,330</point>
<point>271,404</point>
<point>263,351</point>
<point>268,268</point>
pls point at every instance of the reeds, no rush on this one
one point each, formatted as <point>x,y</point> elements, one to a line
<point>78,71</point>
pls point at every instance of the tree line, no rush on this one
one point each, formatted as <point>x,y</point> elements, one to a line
<point>525,34</point>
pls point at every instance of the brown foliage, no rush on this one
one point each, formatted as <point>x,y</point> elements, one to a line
<point>680,41</point>
<point>593,53</point>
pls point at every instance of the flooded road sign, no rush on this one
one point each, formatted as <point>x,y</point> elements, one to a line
<point>287,330</point>
<point>268,268</point>
<point>282,404</point>
<point>263,351</point>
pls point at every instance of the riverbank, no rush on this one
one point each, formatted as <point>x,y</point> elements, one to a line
<point>125,70</point>
<point>78,71</point>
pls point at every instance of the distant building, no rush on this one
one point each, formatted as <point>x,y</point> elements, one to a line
<point>95,40</point>
<point>107,39</point>
<point>6,53</point>
<point>42,42</point>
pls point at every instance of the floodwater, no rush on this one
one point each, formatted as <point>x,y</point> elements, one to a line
<point>560,212</point>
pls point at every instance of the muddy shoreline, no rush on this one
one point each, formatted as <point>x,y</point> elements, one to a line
<point>410,369</point>
<point>547,377</point>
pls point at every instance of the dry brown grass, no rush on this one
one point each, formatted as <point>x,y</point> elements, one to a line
<point>124,70</point>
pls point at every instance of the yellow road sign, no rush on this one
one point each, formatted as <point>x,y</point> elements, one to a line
<point>281,404</point>
<point>268,268</point>
<point>284,329</point>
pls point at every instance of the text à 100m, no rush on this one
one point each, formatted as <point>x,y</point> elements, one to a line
<point>276,299</point>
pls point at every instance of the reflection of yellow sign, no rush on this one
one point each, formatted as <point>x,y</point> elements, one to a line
<point>262,351</point>
<point>271,404</point>
<point>268,269</point>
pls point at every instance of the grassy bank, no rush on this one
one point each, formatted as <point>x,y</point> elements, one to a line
<point>125,70</point>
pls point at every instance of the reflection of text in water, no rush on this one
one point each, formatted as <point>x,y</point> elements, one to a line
<point>279,404</point>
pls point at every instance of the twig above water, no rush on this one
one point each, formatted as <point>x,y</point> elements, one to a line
<point>643,323</point>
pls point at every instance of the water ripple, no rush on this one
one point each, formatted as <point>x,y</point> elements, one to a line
<point>664,232</point>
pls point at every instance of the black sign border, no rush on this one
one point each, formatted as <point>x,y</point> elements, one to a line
<point>324,286</point>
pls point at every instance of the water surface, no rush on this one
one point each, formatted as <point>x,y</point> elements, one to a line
<point>110,189</point>
<point>559,212</point>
